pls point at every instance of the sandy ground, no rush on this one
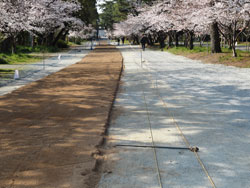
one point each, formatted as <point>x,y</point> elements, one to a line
<point>211,105</point>
<point>51,129</point>
<point>243,62</point>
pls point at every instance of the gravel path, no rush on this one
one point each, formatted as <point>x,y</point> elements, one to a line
<point>51,130</point>
<point>211,105</point>
<point>35,71</point>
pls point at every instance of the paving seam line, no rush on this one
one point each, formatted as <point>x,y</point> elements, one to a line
<point>193,149</point>
<point>152,138</point>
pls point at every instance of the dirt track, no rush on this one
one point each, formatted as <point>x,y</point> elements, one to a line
<point>50,130</point>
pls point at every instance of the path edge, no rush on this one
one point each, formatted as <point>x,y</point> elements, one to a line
<point>100,150</point>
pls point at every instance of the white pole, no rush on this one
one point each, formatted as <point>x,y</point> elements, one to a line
<point>141,58</point>
<point>16,75</point>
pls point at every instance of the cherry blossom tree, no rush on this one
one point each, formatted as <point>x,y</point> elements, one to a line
<point>44,18</point>
<point>88,32</point>
<point>229,17</point>
<point>193,17</point>
<point>14,18</point>
<point>233,18</point>
<point>52,16</point>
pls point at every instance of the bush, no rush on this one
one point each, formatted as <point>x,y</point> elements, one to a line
<point>78,42</point>
<point>24,49</point>
<point>3,61</point>
<point>62,44</point>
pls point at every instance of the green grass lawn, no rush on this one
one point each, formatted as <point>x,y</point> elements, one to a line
<point>28,49</point>
<point>178,50</point>
<point>244,44</point>
<point>18,58</point>
<point>197,49</point>
<point>126,42</point>
<point>6,73</point>
<point>26,54</point>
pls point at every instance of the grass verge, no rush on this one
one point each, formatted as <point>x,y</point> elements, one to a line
<point>204,54</point>
<point>26,54</point>
<point>18,58</point>
<point>6,73</point>
<point>28,49</point>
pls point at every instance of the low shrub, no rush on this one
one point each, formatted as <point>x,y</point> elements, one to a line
<point>3,61</point>
<point>78,42</point>
<point>62,44</point>
<point>24,49</point>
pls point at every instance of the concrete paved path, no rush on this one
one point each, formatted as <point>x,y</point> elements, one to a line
<point>211,105</point>
<point>32,72</point>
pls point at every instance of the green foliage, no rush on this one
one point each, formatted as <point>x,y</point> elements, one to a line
<point>71,43</point>
<point>114,12</point>
<point>62,44</point>
<point>78,42</point>
<point>3,61</point>
<point>107,17</point>
<point>117,10</point>
<point>89,12</point>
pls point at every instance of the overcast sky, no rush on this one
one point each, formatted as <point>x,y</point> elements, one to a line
<point>98,3</point>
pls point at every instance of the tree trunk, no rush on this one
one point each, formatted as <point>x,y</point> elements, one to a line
<point>60,34</point>
<point>234,51</point>
<point>170,41</point>
<point>50,39</point>
<point>13,44</point>
<point>151,42</point>
<point>31,40</point>
<point>161,39</point>
<point>215,38</point>
<point>234,40</point>
<point>191,41</point>
<point>176,39</point>
<point>64,37</point>
<point>186,40</point>
<point>135,39</point>
<point>5,46</point>
<point>162,44</point>
<point>200,39</point>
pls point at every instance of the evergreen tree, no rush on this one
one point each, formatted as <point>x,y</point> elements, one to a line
<point>117,10</point>
<point>88,14</point>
